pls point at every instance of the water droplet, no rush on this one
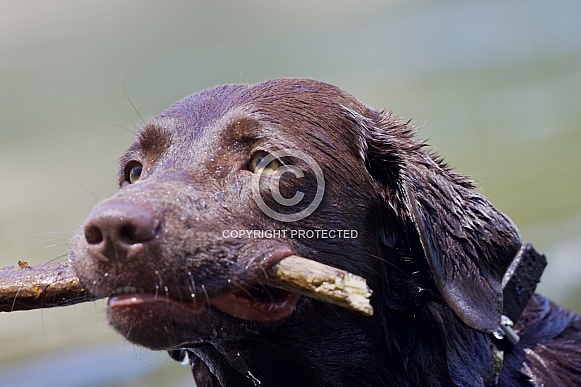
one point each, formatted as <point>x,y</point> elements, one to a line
<point>252,378</point>
<point>220,196</point>
<point>186,359</point>
<point>235,359</point>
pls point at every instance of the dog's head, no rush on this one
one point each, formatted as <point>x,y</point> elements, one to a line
<point>179,248</point>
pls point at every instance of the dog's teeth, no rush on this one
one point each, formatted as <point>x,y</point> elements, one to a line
<point>125,289</point>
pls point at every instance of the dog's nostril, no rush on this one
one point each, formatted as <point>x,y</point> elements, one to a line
<point>137,231</point>
<point>93,235</point>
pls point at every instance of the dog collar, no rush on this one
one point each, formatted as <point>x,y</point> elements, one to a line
<point>518,285</point>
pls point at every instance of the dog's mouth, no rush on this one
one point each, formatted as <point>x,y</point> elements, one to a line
<point>257,303</point>
<point>173,315</point>
<point>253,302</point>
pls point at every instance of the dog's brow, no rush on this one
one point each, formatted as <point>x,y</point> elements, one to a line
<point>239,129</point>
<point>154,138</point>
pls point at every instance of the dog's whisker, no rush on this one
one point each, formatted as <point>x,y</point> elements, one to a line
<point>59,257</point>
<point>241,288</point>
<point>49,233</point>
<point>193,286</point>
<point>206,295</point>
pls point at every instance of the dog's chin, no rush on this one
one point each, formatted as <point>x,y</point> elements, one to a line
<point>160,323</point>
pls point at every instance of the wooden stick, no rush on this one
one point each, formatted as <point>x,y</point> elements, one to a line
<point>325,283</point>
<point>56,284</point>
<point>42,286</point>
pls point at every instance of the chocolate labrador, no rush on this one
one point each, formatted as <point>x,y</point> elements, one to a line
<point>231,180</point>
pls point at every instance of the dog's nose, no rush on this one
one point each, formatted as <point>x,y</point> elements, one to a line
<point>118,230</point>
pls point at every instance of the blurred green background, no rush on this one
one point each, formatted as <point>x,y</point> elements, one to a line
<point>493,85</point>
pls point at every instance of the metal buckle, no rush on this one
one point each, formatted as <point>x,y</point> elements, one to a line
<point>505,331</point>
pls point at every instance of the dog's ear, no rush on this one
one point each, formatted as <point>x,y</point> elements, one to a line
<point>468,243</point>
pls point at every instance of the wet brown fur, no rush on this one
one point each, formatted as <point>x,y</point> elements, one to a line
<point>435,302</point>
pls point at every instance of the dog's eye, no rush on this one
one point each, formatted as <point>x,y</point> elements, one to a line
<point>255,165</point>
<point>134,171</point>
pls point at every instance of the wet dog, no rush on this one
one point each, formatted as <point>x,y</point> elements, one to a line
<point>220,186</point>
